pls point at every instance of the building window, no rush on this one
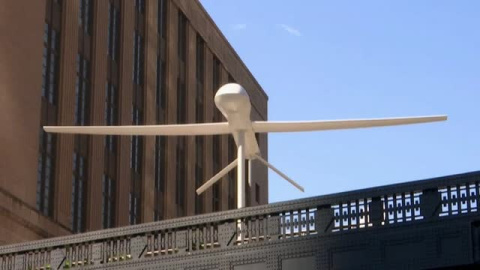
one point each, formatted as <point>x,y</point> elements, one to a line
<point>161,95</point>
<point>110,165</point>
<point>217,157</point>
<point>216,75</point>
<point>199,118</point>
<point>181,113</point>
<point>111,108</point>
<point>199,172</point>
<point>80,154</point>
<point>181,102</point>
<point>136,154</point>
<point>82,91</point>
<point>216,81</point>
<point>217,153</point>
<point>162,18</point>
<point>48,115</point>
<point>108,194</point>
<point>136,143</point>
<point>200,77</point>
<point>133,208</point>
<point>180,177</point>
<point>160,102</point>
<point>136,159</point>
<point>138,58</point>
<point>232,182</point>
<point>181,84</point>
<point>50,64</point>
<point>140,6</point>
<point>81,117</point>
<point>113,31</point>
<point>182,37</point>
<point>79,185</point>
<point>109,181</point>
<point>160,175</point>
<point>46,171</point>
<point>85,16</point>
<point>232,176</point>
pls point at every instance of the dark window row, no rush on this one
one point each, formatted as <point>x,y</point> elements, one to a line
<point>46,171</point>
<point>182,110</point>
<point>181,102</point>
<point>180,176</point>
<point>161,93</point>
<point>138,58</point>
<point>199,118</point>
<point>140,6</point>
<point>82,91</point>
<point>110,158</point>
<point>160,103</point>
<point>232,176</point>
<point>182,37</point>
<point>50,64</point>
<point>181,81</point>
<point>113,31</point>
<point>200,78</point>
<point>217,157</point>
<point>216,146</point>
<point>136,161</point>
<point>111,104</point>
<point>216,76</point>
<point>160,176</point>
<point>199,172</point>
<point>108,194</point>
<point>79,183</point>
<point>112,99</point>
<point>85,16</point>
<point>82,117</point>
<point>137,142</point>
<point>162,18</point>
<point>48,113</point>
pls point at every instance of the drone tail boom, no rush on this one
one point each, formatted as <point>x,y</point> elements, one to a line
<point>284,176</point>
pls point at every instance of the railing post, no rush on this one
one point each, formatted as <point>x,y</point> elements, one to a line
<point>430,203</point>
<point>376,211</point>
<point>324,218</point>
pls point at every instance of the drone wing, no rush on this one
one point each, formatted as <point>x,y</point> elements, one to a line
<point>153,130</point>
<point>268,126</point>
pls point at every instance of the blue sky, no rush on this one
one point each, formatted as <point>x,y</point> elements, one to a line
<point>362,59</point>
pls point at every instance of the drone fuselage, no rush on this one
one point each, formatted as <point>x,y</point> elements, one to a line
<point>234,103</point>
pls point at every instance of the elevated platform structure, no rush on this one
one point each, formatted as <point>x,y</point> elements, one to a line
<point>432,223</point>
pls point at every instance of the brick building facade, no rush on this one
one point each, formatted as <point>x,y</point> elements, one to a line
<point>113,62</point>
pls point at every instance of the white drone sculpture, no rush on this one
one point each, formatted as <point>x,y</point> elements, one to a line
<point>234,103</point>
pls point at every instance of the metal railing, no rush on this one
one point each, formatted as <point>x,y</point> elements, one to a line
<point>312,218</point>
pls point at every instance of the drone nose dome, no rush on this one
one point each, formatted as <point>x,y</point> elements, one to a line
<point>231,89</point>
<point>232,98</point>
